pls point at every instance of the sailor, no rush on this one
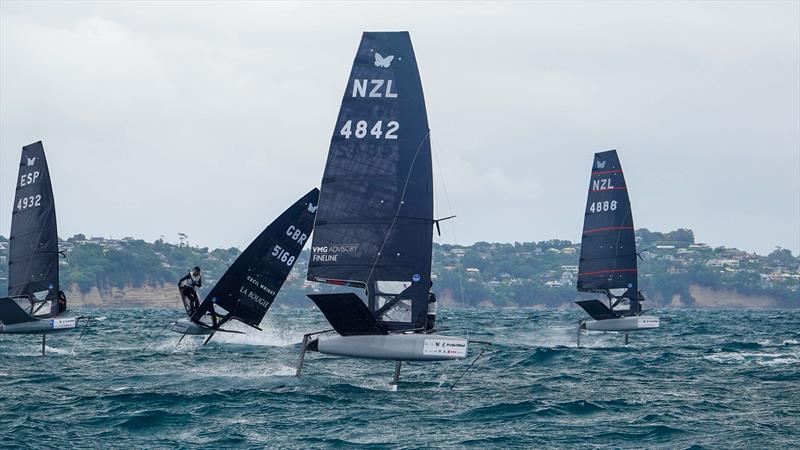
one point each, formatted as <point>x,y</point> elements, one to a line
<point>641,296</point>
<point>62,302</point>
<point>187,285</point>
<point>431,309</point>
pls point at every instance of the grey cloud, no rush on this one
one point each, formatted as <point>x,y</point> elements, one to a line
<point>209,119</point>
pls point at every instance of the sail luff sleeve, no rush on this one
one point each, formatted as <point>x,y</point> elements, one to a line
<point>249,286</point>
<point>33,246</point>
<point>375,223</point>
<point>608,245</point>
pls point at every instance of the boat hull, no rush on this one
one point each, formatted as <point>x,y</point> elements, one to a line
<point>41,326</point>
<point>186,326</point>
<point>398,347</point>
<point>632,323</point>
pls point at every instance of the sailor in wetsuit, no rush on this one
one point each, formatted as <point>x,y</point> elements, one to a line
<point>62,302</point>
<point>431,310</point>
<point>187,285</point>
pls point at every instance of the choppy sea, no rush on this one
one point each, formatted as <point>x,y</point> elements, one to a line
<point>710,379</point>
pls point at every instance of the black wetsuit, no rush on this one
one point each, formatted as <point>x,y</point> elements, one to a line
<point>187,285</point>
<point>432,307</point>
<point>62,302</point>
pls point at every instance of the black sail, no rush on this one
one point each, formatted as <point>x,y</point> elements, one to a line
<point>374,226</point>
<point>608,246</point>
<point>33,246</point>
<point>249,286</point>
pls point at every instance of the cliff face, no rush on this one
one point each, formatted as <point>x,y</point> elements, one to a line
<point>166,296</point>
<point>163,296</point>
<point>710,298</point>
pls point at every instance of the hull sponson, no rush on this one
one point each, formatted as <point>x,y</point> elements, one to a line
<point>43,326</point>
<point>185,326</point>
<point>632,323</point>
<point>397,347</point>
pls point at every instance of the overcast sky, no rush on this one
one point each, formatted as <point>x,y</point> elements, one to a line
<point>210,119</point>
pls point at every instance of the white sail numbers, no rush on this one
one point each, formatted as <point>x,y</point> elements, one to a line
<point>603,206</point>
<point>29,202</point>
<point>282,254</point>
<point>360,129</point>
<point>28,179</point>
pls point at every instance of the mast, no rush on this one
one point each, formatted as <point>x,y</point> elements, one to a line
<point>249,286</point>
<point>33,244</point>
<point>608,257</point>
<point>374,228</point>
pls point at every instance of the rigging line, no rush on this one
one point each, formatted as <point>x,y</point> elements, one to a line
<point>438,170</point>
<point>41,305</point>
<point>399,205</point>
<point>180,340</point>
<point>157,336</point>
<point>455,382</point>
<point>646,283</point>
<point>460,274</point>
<point>444,184</point>
<point>88,319</point>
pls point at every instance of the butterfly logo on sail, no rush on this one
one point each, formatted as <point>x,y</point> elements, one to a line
<point>31,161</point>
<point>601,164</point>
<point>380,61</point>
<point>41,295</point>
<point>312,208</point>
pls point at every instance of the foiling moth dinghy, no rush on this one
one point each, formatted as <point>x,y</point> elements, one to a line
<point>249,286</point>
<point>374,227</point>
<point>32,305</point>
<point>608,259</point>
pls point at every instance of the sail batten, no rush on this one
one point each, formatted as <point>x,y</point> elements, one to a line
<point>608,258</point>
<point>374,226</point>
<point>33,243</point>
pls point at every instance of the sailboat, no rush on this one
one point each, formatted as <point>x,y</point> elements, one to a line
<point>608,260</point>
<point>249,286</point>
<point>32,305</point>
<point>374,227</point>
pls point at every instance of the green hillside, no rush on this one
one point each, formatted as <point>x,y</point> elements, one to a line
<point>519,274</point>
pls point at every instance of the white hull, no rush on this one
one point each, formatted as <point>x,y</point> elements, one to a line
<point>398,347</point>
<point>632,323</point>
<point>41,326</point>
<point>186,326</point>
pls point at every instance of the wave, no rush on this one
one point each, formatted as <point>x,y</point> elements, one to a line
<point>508,411</point>
<point>733,383</point>
<point>271,336</point>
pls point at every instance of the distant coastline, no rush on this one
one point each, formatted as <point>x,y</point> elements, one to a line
<point>166,296</point>
<point>675,271</point>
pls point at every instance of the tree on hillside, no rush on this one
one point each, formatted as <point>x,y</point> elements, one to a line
<point>782,257</point>
<point>682,236</point>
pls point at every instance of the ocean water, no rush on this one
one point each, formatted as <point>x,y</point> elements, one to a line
<point>717,379</point>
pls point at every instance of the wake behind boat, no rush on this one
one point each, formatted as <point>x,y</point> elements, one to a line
<point>608,260</point>
<point>249,286</point>
<point>34,303</point>
<point>374,228</point>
